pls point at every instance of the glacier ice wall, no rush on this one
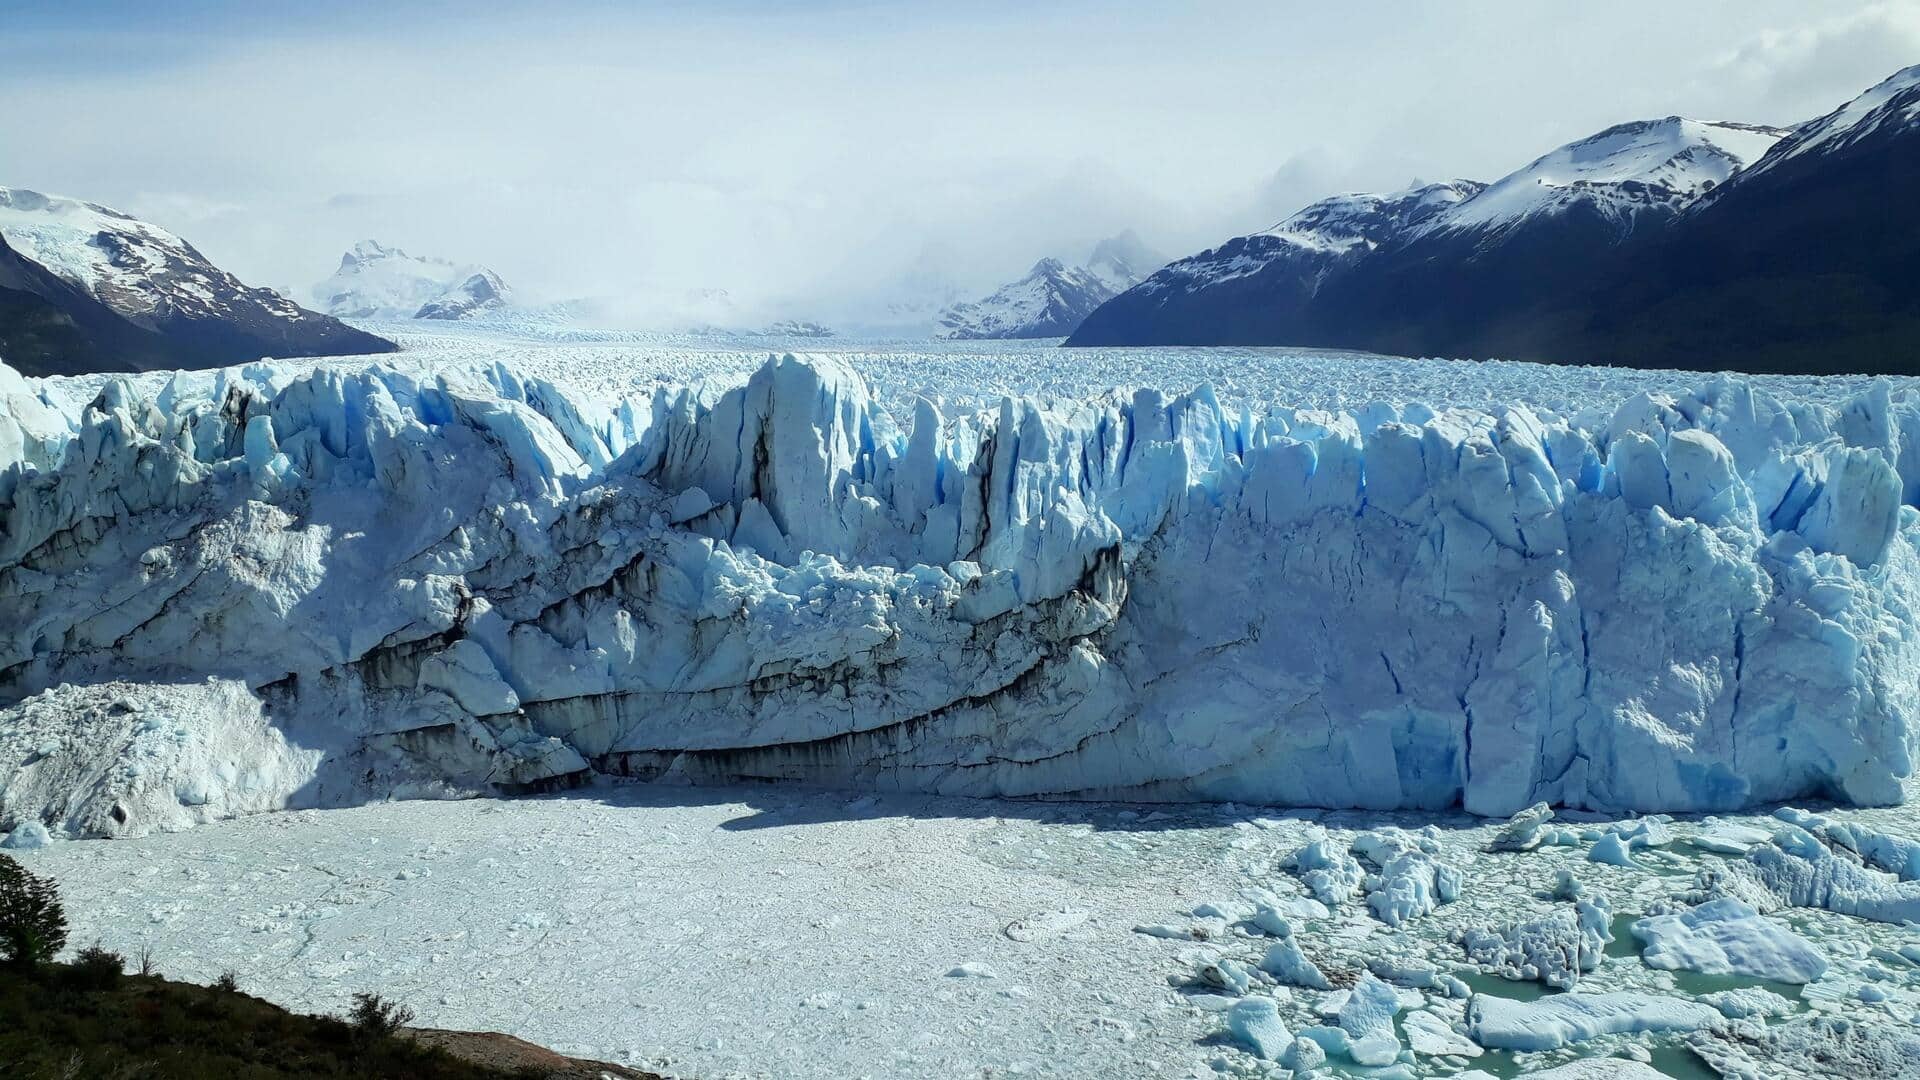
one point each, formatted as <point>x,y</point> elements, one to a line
<point>489,582</point>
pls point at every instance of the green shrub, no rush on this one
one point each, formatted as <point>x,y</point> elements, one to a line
<point>228,982</point>
<point>96,968</point>
<point>376,1016</point>
<point>33,927</point>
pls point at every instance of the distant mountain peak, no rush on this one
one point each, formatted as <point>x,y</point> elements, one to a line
<point>379,281</point>
<point>1887,108</point>
<point>1124,260</point>
<point>1622,172</point>
<point>1053,297</point>
<point>481,292</point>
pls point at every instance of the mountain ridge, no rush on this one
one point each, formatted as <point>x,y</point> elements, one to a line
<point>1657,243</point>
<point>84,287</point>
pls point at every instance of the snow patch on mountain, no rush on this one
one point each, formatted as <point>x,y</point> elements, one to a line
<point>1318,240</point>
<point>1363,221</point>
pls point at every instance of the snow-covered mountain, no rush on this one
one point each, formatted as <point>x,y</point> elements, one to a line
<point>1889,110</point>
<point>1282,269</point>
<point>1625,176</point>
<point>1049,302</point>
<point>480,293</point>
<point>1367,270</point>
<point>1053,298</point>
<point>91,288</point>
<point>1661,243</point>
<point>1804,262</point>
<point>379,282</point>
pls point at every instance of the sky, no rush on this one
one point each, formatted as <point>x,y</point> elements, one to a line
<point>826,159</point>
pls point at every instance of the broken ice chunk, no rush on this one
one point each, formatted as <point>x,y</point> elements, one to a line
<point>1367,1018</point>
<point>1556,948</point>
<point>1285,962</point>
<point>1256,1022</point>
<point>1727,937</point>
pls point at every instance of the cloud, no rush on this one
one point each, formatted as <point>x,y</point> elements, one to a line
<point>813,159</point>
<point>1798,73</point>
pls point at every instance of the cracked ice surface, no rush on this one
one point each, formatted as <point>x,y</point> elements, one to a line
<point>444,575</point>
<point>772,932</point>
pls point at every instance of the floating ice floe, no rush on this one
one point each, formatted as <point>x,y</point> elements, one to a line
<point>1897,855</point>
<point>1727,937</point>
<point>1367,1018</point>
<point>26,836</point>
<point>1408,883</point>
<point>1525,830</point>
<point>1566,1019</point>
<point>1587,1069</point>
<point>1433,1036</point>
<point>1328,871</point>
<point>1612,849</point>
<point>1727,838</point>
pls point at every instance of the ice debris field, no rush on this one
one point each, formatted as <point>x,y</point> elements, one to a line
<point>771,932</point>
<point>504,564</point>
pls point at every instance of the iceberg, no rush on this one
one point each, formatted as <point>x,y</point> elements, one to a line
<point>1556,948</point>
<point>444,580</point>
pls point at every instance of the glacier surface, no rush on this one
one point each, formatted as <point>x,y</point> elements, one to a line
<point>447,581</point>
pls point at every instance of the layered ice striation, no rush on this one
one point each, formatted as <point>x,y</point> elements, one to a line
<point>463,582</point>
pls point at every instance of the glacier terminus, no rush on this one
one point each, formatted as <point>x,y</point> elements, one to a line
<point>376,581</point>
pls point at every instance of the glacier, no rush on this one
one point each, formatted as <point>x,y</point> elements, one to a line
<point>447,582</point>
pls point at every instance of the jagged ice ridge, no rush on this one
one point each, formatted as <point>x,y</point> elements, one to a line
<point>455,583</point>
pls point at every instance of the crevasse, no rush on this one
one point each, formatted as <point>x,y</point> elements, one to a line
<point>485,581</point>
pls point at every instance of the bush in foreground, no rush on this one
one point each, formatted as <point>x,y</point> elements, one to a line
<point>96,968</point>
<point>375,1016</point>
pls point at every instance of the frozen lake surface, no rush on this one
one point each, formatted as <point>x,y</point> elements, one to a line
<point>761,932</point>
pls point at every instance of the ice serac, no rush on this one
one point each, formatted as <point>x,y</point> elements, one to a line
<point>474,581</point>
